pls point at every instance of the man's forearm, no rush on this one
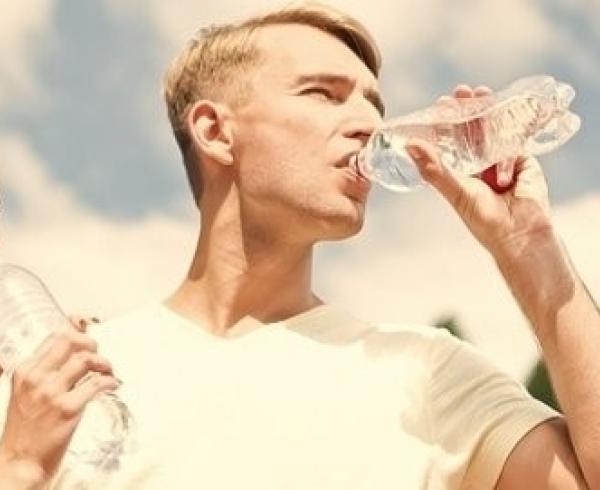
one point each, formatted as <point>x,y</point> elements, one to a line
<point>21,476</point>
<point>566,322</point>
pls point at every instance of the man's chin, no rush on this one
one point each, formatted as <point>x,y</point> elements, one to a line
<point>342,227</point>
<point>344,236</point>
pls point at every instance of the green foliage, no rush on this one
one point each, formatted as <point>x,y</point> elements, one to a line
<point>449,323</point>
<point>539,385</point>
<point>538,381</point>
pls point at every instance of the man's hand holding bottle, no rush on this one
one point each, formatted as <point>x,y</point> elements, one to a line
<point>49,392</point>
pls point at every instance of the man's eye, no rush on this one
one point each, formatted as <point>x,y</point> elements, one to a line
<point>320,92</point>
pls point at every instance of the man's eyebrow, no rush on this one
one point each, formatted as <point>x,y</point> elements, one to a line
<point>371,94</point>
<point>374,98</point>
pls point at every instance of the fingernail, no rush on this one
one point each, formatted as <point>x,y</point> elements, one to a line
<point>503,178</point>
<point>415,152</point>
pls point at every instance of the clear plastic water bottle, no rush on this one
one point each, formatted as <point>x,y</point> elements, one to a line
<point>529,117</point>
<point>28,315</point>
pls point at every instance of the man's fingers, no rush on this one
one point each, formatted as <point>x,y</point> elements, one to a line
<point>462,91</point>
<point>500,177</point>
<point>81,323</point>
<point>80,364</point>
<point>471,131</point>
<point>78,322</point>
<point>444,179</point>
<point>58,347</point>
<point>482,91</point>
<point>425,158</point>
<point>531,181</point>
<point>505,172</point>
<point>90,386</point>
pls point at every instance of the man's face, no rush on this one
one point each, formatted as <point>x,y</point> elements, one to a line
<point>313,106</point>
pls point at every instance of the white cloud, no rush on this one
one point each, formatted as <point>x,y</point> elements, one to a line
<point>486,42</point>
<point>92,264</point>
<point>402,29</point>
<point>24,175</point>
<point>588,9</point>
<point>177,22</point>
<point>504,40</point>
<point>23,25</point>
<point>579,56</point>
<point>497,39</point>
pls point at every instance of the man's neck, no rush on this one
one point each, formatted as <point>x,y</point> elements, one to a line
<point>233,278</point>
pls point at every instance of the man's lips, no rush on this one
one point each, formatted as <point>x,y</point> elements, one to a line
<point>350,160</point>
<point>356,184</point>
<point>345,160</point>
<point>354,165</point>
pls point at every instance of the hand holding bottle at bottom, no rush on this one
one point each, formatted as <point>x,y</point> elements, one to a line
<point>49,392</point>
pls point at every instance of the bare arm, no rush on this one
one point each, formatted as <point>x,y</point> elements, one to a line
<point>543,459</point>
<point>567,324</point>
<point>20,476</point>
<point>510,216</point>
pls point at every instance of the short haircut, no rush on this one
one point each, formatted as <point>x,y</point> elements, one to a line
<point>214,63</point>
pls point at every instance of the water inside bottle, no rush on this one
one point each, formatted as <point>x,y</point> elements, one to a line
<point>470,136</point>
<point>386,162</point>
<point>105,434</point>
<point>28,314</point>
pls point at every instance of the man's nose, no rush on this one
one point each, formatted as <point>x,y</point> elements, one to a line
<point>361,134</point>
<point>363,122</point>
<point>361,129</point>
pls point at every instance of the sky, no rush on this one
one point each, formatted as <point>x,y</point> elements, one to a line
<point>95,199</point>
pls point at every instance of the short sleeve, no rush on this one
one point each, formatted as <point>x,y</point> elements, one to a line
<point>478,414</point>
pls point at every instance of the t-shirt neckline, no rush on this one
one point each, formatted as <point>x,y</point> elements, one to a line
<point>249,325</point>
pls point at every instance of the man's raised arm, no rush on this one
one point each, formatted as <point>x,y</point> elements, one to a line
<point>514,224</point>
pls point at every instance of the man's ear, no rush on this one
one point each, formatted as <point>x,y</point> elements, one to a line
<point>210,126</point>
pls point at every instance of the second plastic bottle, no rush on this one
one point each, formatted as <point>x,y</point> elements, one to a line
<point>29,314</point>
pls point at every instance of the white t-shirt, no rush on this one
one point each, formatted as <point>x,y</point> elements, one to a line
<point>320,401</point>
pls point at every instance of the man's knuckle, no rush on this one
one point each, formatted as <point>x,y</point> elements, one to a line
<point>26,379</point>
<point>88,360</point>
<point>66,409</point>
<point>20,372</point>
<point>430,171</point>
<point>45,395</point>
<point>77,341</point>
<point>75,318</point>
<point>67,337</point>
<point>92,345</point>
<point>78,362</point>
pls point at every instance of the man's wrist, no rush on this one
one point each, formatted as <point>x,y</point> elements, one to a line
<point>16,474</point>
<point>529,252</point>
<point>540,275</point>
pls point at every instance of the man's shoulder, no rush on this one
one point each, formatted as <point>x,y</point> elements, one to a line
<point>387,338</point>
<point>415,338</point>
<point>131,322</point>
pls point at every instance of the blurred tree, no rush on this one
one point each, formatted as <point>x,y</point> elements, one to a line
<point>538,381</point>
<point>539,385</point>
<point>450,323</point>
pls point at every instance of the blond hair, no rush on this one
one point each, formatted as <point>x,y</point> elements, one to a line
<point>213,64</point>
